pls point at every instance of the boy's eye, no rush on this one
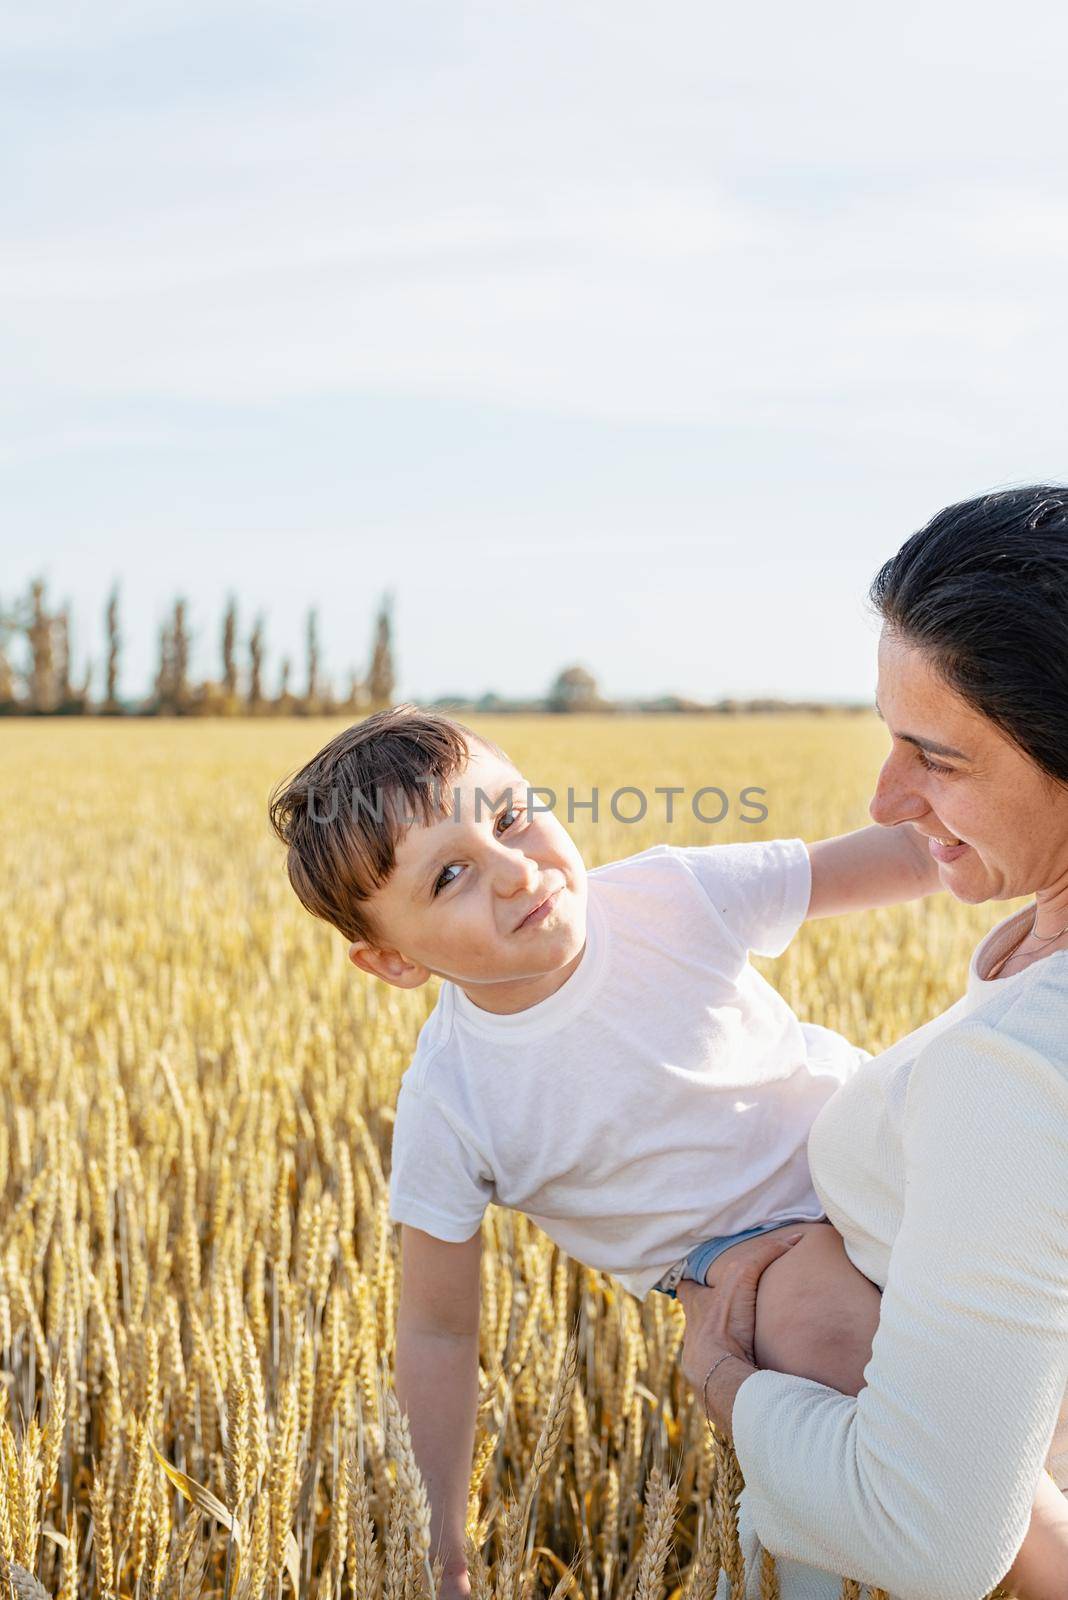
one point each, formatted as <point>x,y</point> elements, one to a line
<point>501,824</point>
<point>932,766</point>
<point>513,812</point>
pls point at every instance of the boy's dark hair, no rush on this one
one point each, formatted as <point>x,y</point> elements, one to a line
<point>342,814</point>
<point>983,591</point>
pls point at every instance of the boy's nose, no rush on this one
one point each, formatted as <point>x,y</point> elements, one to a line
<point>517,873</point>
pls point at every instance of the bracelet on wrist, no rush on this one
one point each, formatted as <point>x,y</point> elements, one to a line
<point>728,1355</point>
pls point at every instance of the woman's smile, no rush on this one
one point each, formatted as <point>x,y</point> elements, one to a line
<point>946,849</point>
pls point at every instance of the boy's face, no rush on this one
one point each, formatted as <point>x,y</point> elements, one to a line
<point>493,899</point>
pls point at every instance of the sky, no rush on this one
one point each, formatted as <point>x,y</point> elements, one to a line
<point>596,332</point>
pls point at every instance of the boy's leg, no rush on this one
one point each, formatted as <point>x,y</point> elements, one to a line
<point>816,1315</point>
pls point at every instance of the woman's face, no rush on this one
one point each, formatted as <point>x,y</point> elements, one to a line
<point>998,826</point>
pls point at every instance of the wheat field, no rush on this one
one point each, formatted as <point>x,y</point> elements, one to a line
<point>198,1281</point>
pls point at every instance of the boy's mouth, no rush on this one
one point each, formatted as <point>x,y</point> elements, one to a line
<point>539,912</point>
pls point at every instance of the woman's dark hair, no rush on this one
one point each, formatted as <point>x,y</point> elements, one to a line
<point>982,590</point>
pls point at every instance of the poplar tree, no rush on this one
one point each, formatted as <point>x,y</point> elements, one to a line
<point>111,623</point>
<point>40,634</point>
<point>311,694</point>
<point>283,679</point>
<point>8,702</point>
<point>381,677</point>
<point>255,665</point>
<point>229,648</point>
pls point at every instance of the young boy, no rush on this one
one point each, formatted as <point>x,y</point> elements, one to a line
<point>602,1056</point>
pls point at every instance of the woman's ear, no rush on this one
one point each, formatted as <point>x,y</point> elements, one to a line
<point>389,965</point>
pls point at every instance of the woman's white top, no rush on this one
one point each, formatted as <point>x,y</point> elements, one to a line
<point>943,1163</point>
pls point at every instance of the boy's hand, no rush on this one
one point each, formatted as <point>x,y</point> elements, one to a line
<point>455,1586</point>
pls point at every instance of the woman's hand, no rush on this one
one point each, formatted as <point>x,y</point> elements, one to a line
<point>721,1321</point>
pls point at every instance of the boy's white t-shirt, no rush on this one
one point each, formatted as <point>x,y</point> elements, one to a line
<point>661,1097</point>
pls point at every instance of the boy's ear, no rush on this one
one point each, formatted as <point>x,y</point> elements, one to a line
<point>389,965</point>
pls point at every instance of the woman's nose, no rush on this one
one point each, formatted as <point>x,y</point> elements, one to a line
<point>894,800</point>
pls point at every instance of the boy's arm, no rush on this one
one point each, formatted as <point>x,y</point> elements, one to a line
<point>437,1382</point>
<point>875,866</point>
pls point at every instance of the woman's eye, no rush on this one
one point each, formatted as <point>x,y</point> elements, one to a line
<point>932,766</point>
<point>443,879</point>
<point>513,812</point>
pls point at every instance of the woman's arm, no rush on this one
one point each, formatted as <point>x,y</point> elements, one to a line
<point>924,1483</point>
<point>1040,1571</point>
<point>718,1354</point>
<point>872,867</point>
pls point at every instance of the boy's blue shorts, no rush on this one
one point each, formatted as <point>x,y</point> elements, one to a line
<point>702,1256</point>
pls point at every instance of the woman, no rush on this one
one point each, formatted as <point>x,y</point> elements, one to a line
<point>944,1162</point>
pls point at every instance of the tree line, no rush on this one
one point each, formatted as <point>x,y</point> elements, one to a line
<point>38,678</point>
